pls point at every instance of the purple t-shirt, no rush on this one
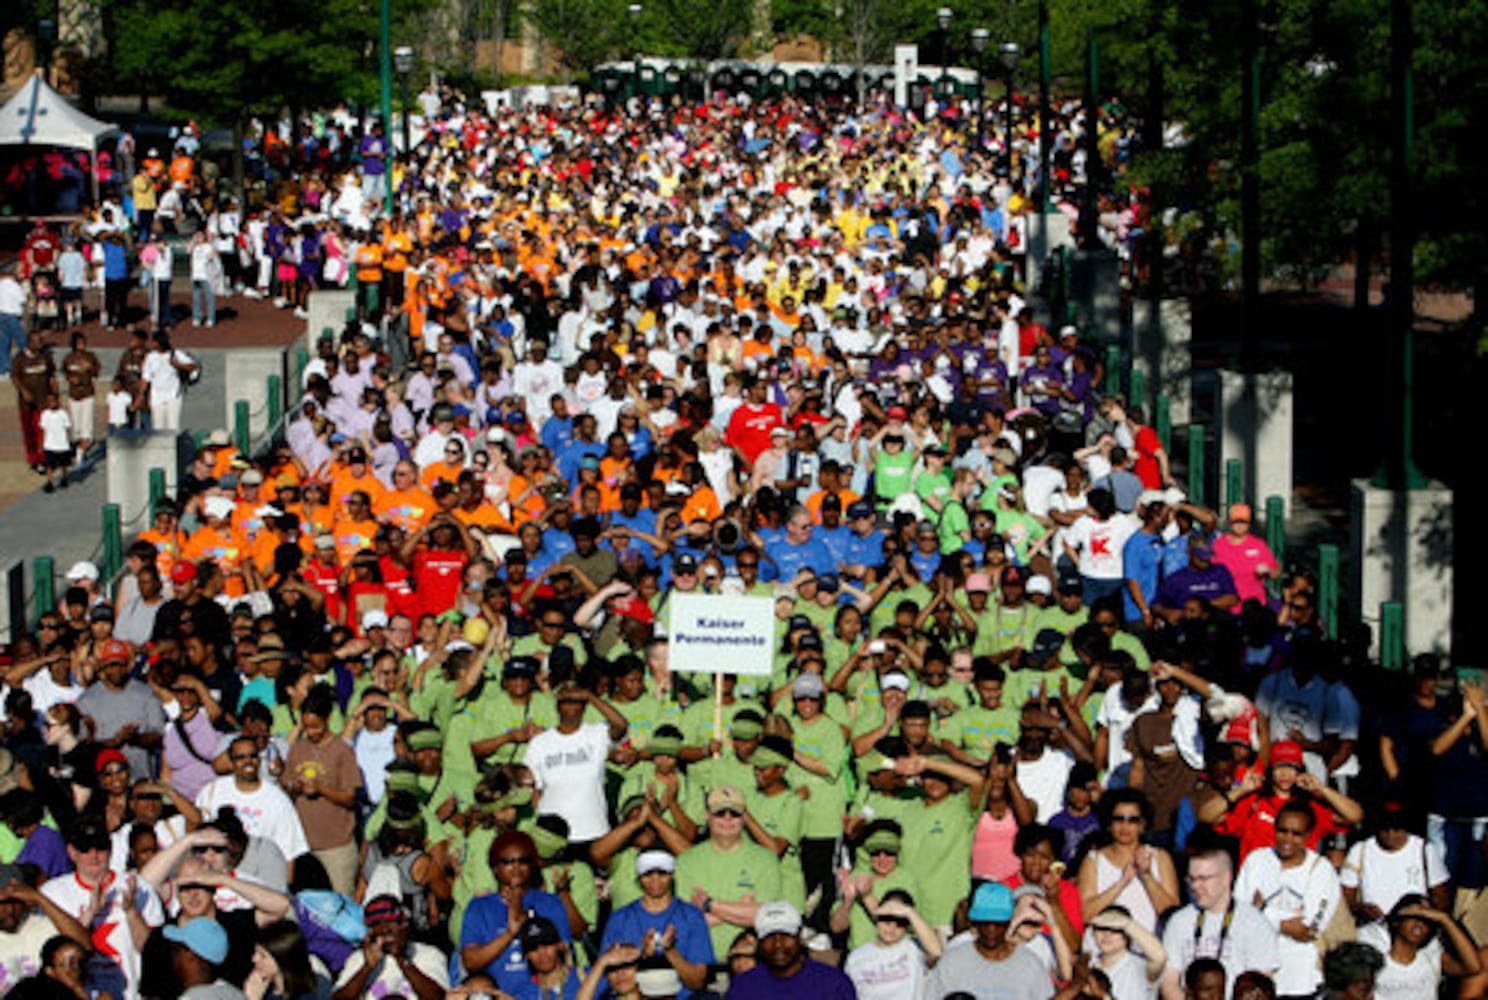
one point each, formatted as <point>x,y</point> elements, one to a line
<point>45,849</point>
<point>373,150</point>
<point>1075,830</point>
<point>1207,584</point>
<point>815,981</point>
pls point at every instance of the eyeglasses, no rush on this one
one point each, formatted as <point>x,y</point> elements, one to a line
<point>748,565</point>
<point>48,627</point>
<point>552,624</point>
<point>728,813</point>
<point>512,861</point>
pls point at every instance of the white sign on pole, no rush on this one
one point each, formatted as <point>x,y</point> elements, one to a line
<point>714,634</point>
<point>906,69</point>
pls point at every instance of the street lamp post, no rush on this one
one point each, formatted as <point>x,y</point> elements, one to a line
<point>385,75</point>
<point>403,63</point>
<point>943,19</point>
<point>1008,54</point>
<point>979,37</point>
<point>1043,125</point>
<point>46,46</point>
<point>633,11</point>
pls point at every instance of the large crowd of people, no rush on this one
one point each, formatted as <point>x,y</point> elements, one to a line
<point>389,710</point>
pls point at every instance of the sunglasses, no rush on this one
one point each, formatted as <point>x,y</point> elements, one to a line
<point>1126,819</point>
<point>894,921</point>
<point>728,813</point>
<point>509,862</point>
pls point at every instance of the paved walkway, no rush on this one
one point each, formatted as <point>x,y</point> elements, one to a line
<point>67,525</point>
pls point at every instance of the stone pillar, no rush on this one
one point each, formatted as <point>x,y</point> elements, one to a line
<point>1162,338</point>
<point>1253,422</point>
<point>1047,232</point>
<point>131,456</point>
<point>1402,551</point>
<point>327,308</point>
<point>246,376</point>
<point>1095,287</point>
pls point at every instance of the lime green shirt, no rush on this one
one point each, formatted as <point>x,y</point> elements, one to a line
<point>940,861</point>
<point>748,870</point>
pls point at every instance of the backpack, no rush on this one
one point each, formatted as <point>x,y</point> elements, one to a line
<point>193,376</point>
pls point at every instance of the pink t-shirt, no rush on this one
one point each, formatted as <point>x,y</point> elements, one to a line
<point>992,855</point>
<point>1241,557</point>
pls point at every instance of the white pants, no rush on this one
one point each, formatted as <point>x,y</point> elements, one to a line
<point>81,412</point>
<point>165,415</point>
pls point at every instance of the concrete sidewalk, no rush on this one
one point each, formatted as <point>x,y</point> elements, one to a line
<point>68,525</point>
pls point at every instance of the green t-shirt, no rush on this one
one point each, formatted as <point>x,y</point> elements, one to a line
<point>933,486</point>
<point>748,870</point>
<point>715,772</point>
<point>780,815</point>
<point>893,475</point>
<point>532,645</point>
<point>582,888</point>
<point>625,884</point>
<point>1021,531</point>
<point>940,861</point>
<point>955,525</point>
<point>978,730</point>
<point>822,740</point>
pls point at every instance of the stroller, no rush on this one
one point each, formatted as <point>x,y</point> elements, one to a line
<point>45,293</point>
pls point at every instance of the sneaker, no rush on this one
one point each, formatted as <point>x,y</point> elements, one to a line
<point>196,322</point>
<point>280,302</point>
<point>49,488</point>
<point>252,293</point>
<point>210,323</point>
<point>302,313</point>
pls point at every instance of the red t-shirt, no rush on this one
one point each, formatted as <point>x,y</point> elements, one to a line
<point>750,426</point>
<point>1146,445</point>
<point>327,580</point>
<point>1069,900</point>
<point>436,577</point>
<point>1253,821</point>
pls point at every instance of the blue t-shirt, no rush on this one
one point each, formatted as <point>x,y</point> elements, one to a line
<point>557,433</point>
<point>485,920</point>
<point>629,924</point>
<point>791,559</point>
<point>1141,560</point>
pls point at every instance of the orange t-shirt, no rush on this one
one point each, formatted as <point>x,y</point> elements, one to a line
<point>409,509</point>
<point>435,471</point>
<point>702,505</point>
<point>352,537</point>
<point>168,546</point>
<point>226,548</point>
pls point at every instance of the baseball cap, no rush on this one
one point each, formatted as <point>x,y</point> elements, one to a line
<point>1014,574</point>
<point>894,680</point>
<point>978,583</point>
<point>655,861</point>
<point>203,936</point>
<point>859,508</point>
<point>808,685</point>
<point>1286,753</point>
<point>83,570</point>
<point>218,507</point>
<point>778,917</point>
<point>1070,583</point>
<point>183,572</point>
<point>1240,512</point>
<point>88,833</point>
<point>1150,497</point>
<point>520,666</point>
<point>658,982</point>
<point>898,413</point>
<point>376,618</point>
<point>1040,585</point>
<point>385,909</point>
<point>107,758</point>
<point>538,932</point>
<point>1199,546</point>
<point>100,613</point>
<point>780,431</point>
<point>115,651</point>
<point>685,563</point>
<point>725,797</point>
<point>252,477</point>
<point>992,903</point>
<point>634,608</point>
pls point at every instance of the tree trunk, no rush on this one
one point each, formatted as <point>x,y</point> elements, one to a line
<point>239,187</point>
<point>1364,247</point>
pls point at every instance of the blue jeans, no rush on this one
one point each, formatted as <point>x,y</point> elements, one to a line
<point>12,340</point>
<point>1461,840</point>
<point>162,304</point>
<point>203,303</point>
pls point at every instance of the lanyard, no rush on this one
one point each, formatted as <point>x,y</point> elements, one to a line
<point>1224,930</point>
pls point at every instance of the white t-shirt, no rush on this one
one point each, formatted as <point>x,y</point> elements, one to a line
<point>20,953</point>
<point>1383,877</point>
<point>1308,892</point>
<point>569,769</point>
<point>266,812</point>
<point>1098,544</point>
<point>111,924</point>
<point>389,979</point>
<point>1403,982</point>
<point>1128,977</point>
<point>1247,943</point>
<point>1117,719</point>
<point>56,428</point>
<point>164,379</point>
<point>887,972</point>
<point>46,692</point>
<point>1043,781</point>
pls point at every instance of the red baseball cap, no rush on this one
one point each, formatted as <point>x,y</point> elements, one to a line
<point>183,572</point>
<point>115,651</point>
<point>1286,752</point>
<point>898,413</point>
<point>107,757</point>
<point>634,607</point>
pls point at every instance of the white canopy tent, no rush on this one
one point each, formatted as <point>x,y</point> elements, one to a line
<point>39,116</point>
